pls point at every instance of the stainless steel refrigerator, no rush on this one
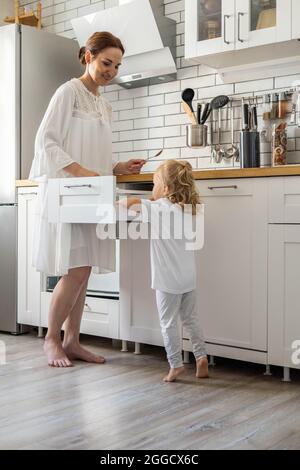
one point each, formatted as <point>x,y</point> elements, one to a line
<point>33,64</point>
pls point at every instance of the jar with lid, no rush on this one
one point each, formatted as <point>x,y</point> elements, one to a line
<point>279,144</point>
<point>213,30</point>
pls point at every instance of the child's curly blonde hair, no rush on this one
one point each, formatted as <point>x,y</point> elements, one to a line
<point>177,175</point>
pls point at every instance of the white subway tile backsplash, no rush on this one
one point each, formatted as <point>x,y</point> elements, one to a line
<point>175,142</point>
<point>164,88</point>
<point>148,101</point>
<point>139,134</point>
<point>149,122</point>
<point>171,131</point>
<point>165,109</point>
<point>199,82</point>
<point>122,126</point>
<point>134,93</point>
<point>148,144</point>
<point>133,113</point>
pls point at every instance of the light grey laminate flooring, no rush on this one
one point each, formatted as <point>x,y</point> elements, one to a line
<point>125,405</point>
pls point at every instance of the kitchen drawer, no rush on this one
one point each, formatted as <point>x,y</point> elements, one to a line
<point>284,200</point>
<point>100,316</point>
<point>82,200</point>
<point>88,200</point>
<point>234,187</point>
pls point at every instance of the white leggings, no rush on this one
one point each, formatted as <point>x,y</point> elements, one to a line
<point>170,307</point>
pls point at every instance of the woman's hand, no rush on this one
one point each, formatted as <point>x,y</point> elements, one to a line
<point>131,167</point>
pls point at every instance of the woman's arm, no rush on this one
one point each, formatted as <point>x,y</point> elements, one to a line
<point>77,170</point>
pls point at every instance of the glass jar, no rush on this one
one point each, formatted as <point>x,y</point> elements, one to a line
<point>212,29</point>
<point>279,144</point>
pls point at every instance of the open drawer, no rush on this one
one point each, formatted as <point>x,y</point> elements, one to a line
<point>87,200</point>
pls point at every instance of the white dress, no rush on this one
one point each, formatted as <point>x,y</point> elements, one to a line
<point>76,128</point>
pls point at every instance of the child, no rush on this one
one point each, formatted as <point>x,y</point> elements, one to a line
<point>173,268</point>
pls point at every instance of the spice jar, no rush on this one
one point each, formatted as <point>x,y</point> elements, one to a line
<point>283,105</point>
<point>279,144</point>
<point>213,29</point>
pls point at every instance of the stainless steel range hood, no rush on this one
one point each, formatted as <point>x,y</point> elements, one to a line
<point>148,37</point>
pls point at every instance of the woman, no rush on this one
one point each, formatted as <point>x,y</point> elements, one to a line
<point>75,140</point>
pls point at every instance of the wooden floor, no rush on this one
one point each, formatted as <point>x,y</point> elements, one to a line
<point>125,405</point>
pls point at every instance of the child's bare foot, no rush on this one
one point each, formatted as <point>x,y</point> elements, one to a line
<point>56,356</point>
<point>202,368</point>
<point>75,351</point>
<point>173,374</point>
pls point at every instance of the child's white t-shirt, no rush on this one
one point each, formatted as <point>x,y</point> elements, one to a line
<point>173,266</point>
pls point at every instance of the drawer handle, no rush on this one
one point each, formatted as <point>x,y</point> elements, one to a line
<point>222,187</point>
<point>27,194</point>
<point>79,186</point>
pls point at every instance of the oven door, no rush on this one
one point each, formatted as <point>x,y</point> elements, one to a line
<point>99,285</point>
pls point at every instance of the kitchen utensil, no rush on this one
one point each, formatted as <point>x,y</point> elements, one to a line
<point>233,151</point>
<point>205,114</point>
<point>187,96</point>
<point>218,151</point>
<point>190,114</point>
<point>156,155</point>
<point>196,136</point>
<point>219,102</point>
<point>199,108</point>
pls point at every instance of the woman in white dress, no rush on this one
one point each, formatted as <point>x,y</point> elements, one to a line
<point>75,140</point>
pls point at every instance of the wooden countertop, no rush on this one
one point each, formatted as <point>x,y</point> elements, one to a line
<point>288,170</point>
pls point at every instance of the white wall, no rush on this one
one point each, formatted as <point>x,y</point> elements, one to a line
<point>149,118</point>
<point>6,9</point>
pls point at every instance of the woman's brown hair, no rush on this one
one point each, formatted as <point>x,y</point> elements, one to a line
<point>98,42</point>
<point>178,177</point>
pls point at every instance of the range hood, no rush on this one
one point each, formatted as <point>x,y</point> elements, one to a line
<point>148,36</point>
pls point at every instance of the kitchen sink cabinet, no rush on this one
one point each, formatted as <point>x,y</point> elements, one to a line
<point>215,27</point>
<point>232,267</point>
<point>29,280</point>
<point>283,303</point>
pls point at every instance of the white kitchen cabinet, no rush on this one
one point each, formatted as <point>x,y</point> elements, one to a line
<point>232,267</point>
<point>262,22</point>
<point>238,25</point>
<point>29,280</point>
<point>284,200</point>
<point>100,316</point>
<point>138,313</point>
<point>283,303</point>
<point>209,30</point>
<point>295,19</point>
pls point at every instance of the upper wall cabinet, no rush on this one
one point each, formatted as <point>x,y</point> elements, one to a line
<point>216,30</point>
<point>261,22</point>
<point>210,26</point>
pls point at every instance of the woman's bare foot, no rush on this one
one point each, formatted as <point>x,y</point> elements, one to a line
<point>202,368</point>
<point>75,351</point>
<point>56,356</point>
<point>173,374</point>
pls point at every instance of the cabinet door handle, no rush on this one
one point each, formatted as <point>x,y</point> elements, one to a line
<point>79,186</point>
<point>222,187</point>
<point>239,26</point>
<point>226,17</point>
